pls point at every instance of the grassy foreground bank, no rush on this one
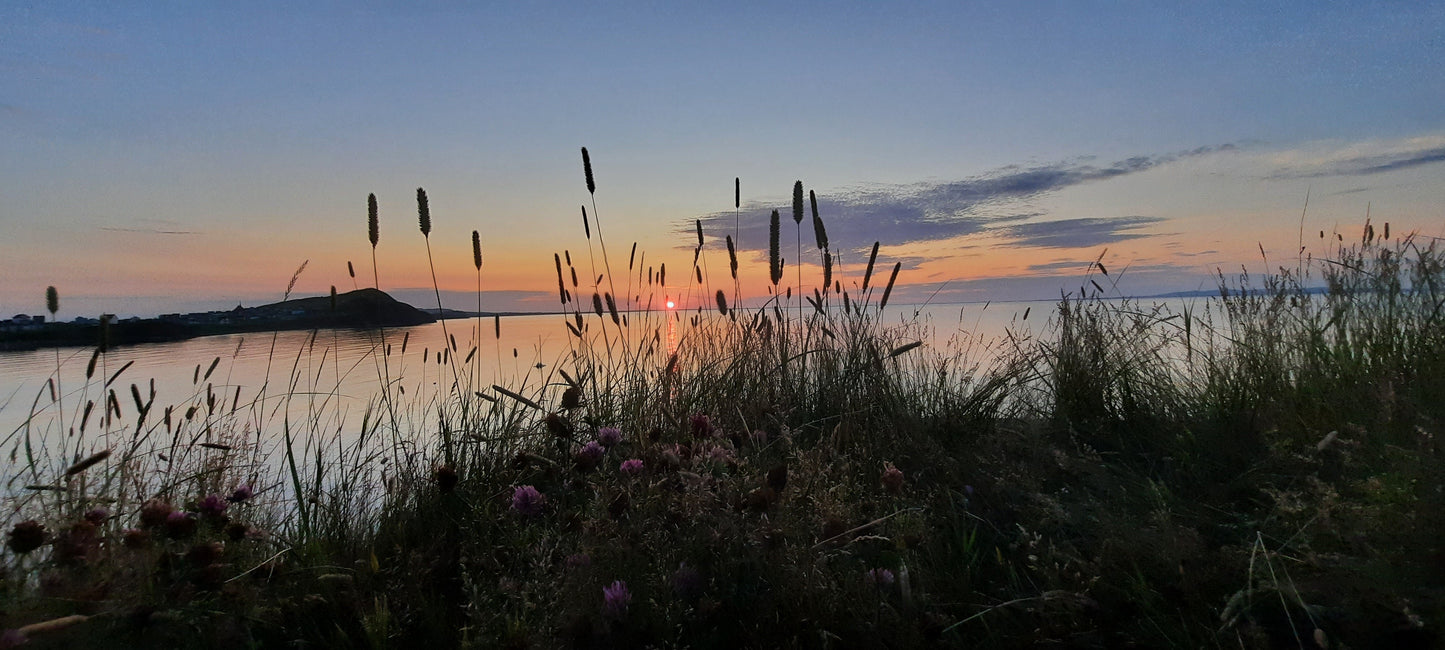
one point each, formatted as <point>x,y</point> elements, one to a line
<point>1262,472</point>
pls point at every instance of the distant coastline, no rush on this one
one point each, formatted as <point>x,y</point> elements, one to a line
<point>363,308</point>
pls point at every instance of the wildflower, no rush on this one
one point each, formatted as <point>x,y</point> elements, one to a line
<point>701,425</point>
<point>241,494</point>
<point>632,467</point>
<point>609,436</point>
<point>180,525</point>
<point>686,582</point>
<point>527,501</point>
<point>892,479</point>
<point>212,506</point>
<point>97,516</point>
<point>721,454</point>
<point>615,599</point>
<point>589,456</point>
<point>880,578</point>
<point>155,512</point>
<point>135,538</point>
<point>26,536</point>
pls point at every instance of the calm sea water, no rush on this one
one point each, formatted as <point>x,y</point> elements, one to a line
<point>338,368</point>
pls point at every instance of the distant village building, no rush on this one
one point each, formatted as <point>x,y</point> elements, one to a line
<point>22,323</point>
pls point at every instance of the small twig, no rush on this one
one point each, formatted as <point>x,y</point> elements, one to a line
<point>247,571</point>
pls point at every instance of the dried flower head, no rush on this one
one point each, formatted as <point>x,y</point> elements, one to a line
<point>527,501</point>
<point>155,512</point>
<point>135,538</point>
<point>609,436</point>
<point>241,494</point>
<point>26,536</point>
<point>446,478</point>
<point>615,599</point>
<point>892,479</point>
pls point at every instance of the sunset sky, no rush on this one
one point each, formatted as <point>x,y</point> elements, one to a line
<point>183,156</point>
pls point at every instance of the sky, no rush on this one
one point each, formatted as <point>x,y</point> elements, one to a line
<point>183,156</point>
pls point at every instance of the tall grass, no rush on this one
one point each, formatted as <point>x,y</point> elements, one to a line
<point>1257,468</point>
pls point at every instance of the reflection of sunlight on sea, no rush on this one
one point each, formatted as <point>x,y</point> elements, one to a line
<point>337,370</point>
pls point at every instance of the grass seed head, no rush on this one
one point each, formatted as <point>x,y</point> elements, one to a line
<point>373,231</point>
<point>587,170</point>
<point>798,202</point>
<point>423,212</point>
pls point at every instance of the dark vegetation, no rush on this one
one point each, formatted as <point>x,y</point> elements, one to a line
<point>359,308</point>
<point>1260,471</point>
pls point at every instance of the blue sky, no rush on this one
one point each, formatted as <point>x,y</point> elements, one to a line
<point>181,154</point>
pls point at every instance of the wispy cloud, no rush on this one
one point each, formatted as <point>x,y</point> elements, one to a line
<point>934,211</point>
<point>1356,162</point>
<point>1077,233</point>
<point>151,231</point>
<point>1062,265</point>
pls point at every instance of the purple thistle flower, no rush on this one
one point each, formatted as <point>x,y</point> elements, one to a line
<point>242,493</point>
<point>527,501</point>
<point>592,452</point>
<point>609,436</point>
<point>615,599</point>
<point>701,425</point>
<point>881,578</point>
<point>632,467</point>
<point>212,506</point>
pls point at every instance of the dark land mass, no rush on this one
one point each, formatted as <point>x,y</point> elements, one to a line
<point>363,308</point>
